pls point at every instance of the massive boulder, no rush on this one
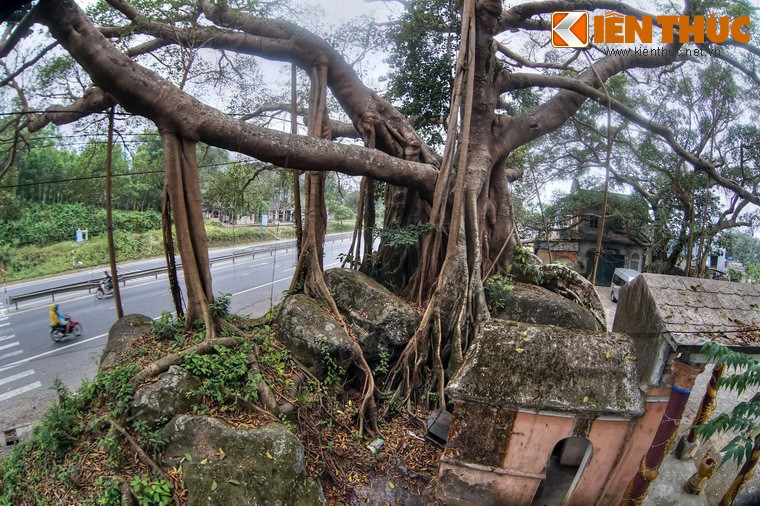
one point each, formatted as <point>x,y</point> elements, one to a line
<point>381,320</point>
<point>312,335</point>
<point>534,304</point>
<point>566,282</point>
<point>222,464</point>
<point>122,332</point>
<point>171,395</point>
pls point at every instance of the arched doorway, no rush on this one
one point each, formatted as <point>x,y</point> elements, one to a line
<point>563,471</point>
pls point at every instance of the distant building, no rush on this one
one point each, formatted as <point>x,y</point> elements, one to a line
<point>716,260</point>
<point>576,243</point>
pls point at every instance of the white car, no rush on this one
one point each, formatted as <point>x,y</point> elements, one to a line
<point>619,278</point>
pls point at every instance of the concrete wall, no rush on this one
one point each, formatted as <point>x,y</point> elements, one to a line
<point>471,475</point>
<point>638,442</point>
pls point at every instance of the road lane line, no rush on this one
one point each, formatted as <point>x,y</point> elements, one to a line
<point>8,355</point>
<point>11,345</point>
<point>51,352</point>
<point>66,301</point>
<point>19,391</point>
<point>16,376</point>
<point>255,288</point>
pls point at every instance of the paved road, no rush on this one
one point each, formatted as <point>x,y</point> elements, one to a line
<point>30,360</point>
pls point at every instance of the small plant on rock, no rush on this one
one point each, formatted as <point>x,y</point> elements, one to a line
<point>496,289</point>
<point>151,493</point>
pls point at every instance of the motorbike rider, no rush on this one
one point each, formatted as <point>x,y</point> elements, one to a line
<point>58,320</point>
<point>106,283</point>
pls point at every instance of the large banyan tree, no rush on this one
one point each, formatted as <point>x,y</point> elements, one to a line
<point>459,187</point>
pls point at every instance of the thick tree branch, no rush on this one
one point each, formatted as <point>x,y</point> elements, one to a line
<point>143,92</point>
<point>519,15</point>
<point>575,85</point>
<point>94,100</point>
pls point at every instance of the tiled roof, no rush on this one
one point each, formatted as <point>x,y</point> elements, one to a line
<point>694,310</point>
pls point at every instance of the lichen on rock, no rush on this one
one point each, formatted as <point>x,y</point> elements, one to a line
<point>223,464</point>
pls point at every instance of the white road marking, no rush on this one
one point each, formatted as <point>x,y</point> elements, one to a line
<point>5,324</point>
<point>51,352</point>
<point>256,287</point>
<point>11,345</point>
<point>8,355</point>
<point>5,338</point>
<point>16,376</point>
<point>19,391</point>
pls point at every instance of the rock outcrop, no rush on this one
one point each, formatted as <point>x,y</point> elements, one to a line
<point>380,319</point>
<point>159,402</point>
<point>121,333</point>
<point>226,465</point>
<point>534,304</point>
<point>312,334</point>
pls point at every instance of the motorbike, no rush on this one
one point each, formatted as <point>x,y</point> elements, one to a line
<point>103,290</point>
<point>75,328</point>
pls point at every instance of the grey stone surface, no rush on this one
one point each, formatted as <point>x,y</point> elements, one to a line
<point>380,319</point>
<point>311,334</point>
<point>119,336</point>
<point>241,467</point>
<point>527,366</point>
<point>564,281</point>
<point>170,395</point>
<point>534,304</point>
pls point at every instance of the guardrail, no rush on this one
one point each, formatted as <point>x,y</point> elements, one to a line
<point>92,284</point>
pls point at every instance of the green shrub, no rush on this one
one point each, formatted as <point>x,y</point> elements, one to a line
<point>167,326</point>
<point>220,307</point>
<point>226,373</point>
<point>496,289</point>
<point>151,492</point>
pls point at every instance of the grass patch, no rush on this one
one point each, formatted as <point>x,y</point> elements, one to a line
<point>30,261</point>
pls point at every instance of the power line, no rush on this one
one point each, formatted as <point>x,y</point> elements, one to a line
<point>84,178</point>
<point>135,173</point>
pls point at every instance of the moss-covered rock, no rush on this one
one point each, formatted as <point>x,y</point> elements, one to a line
<point>121,333</point>
<point>312,334</point>
<point>566,282</point>
<point>534,304</point>
<point>544,367</point>
<point>222,464</point>
<point>380,319</point>
<point>169,396</point>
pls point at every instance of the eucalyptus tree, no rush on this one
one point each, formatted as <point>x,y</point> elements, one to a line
<point>461,188</point>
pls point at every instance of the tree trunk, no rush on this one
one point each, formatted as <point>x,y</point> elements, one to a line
<point>369,224</point>
<point>109,220</point>
<point>480,223</point>
<point>183,188</point>
<point>745,473</point>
